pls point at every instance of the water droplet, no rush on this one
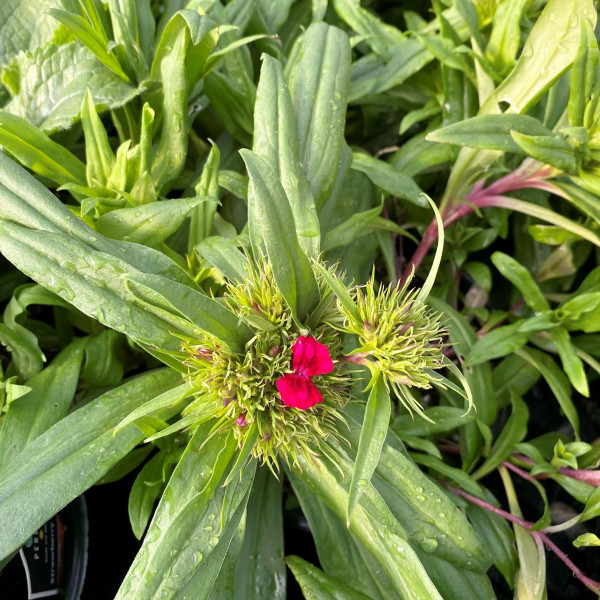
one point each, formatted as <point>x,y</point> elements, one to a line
<point>213,541</point>
<point>211,517</point>
<point>429,544</point>
<point>442,515</point>
<point>208,528</point>
<point>198,556</point>
<point>419,489</point>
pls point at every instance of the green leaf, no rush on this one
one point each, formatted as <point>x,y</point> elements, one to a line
<point>372,437</point>
<point>586,539</point>
<point>531,578</point>
<point>340,554</point>
<point>583,74</point>
<point>490,132</point>
<point>222,254</point>
<point>24,25</point>
<point>194,523</point>
<point>498,539</point>
<point>270,221</point>
<point>340,290</point>
<point>49,400</point>
<point>503,45</point>
<point>556,379</point>
<point>319,88</point>
<point>263,575</point>
<point>443,420</point>
<point>388,178</point>
<point>498,342</point>
<point>71,456</point>
<point>199,310</point>
<point>572,364</point>
<point>429,517</point>
<point>100,159</point>
<point>582,199</point>
<point>203,216</point>
<point>317,585</point>
<point>51,82</point>
<point>25,201</point>
<point>144,492</point>
<point>512,433</point>
<point>552,150</point>
<point>279,149</point>
<point>387,544</point>
<point>592,506</point>
<point>520,277</point>
<point>93,282</point>
<point>557,31</point>
<point>35,150</point>
<point>149,224</point>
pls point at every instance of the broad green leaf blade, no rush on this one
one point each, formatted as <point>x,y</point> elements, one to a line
<point>387,544</point>
<point>557,381</point>
<point>557,30</point>
<point>489,132</point>
<point>552,150</point>
<point>521,278</point>
<point>503,45</point>
<point>35,150</point>
<point>442,420</point>
<point>388,178</point>
<point>498,539</point>
<point>261,573</point>
<point>193,525</point>
<point>513,432</point>
<point>70,457</point>
<point>168,399</point>
<point>200,310</point>
<point>25,201</point>
<point>276,141</point>
<point>51,81</point>
<point>372,438</point>
<point>222,254</point>
<point>341,555</point>
<point>271,225</point>
<point>417,502</point>
<point>498,342</point>
<point>51,394</point>
<point>149,224</point>
<point>317,585</point>
<point>146,488</point>
<point>455,583</point>
<point>319,88</point>
<point>93,283</point>
<point>583,74</point>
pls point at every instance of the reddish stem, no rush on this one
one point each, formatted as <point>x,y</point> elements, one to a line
<point>480,197</point>
<point>591,584</point>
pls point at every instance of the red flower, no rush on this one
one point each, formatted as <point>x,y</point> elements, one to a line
<point>310,358</point>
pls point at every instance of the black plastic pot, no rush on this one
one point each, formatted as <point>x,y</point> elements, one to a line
<point>52,563</point>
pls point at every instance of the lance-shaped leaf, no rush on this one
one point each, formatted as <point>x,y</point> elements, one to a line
<point>196,308</point>
<point>276,141</point>
<point>49,400</point>
<point>89,280</point>
<point>388,544</point>
<point>271,225</point>
<point>583,74</point>
<point>317,585</point>
<point>490,132</point>
<point>222,254</point>
<point>38,152</point>
<point>372,437</point>
<point>552,150</point>
<point>151,223</point>
<point>261,573</point>
<point>70,457</point>
<point>319,87</point>
<point>194,523</point>
<point>25,201</point>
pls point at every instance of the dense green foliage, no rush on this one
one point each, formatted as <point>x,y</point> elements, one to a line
<point>188,189</point>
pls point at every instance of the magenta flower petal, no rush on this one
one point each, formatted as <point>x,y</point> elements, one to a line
<point>311,357</point>
<point>298,391</point>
